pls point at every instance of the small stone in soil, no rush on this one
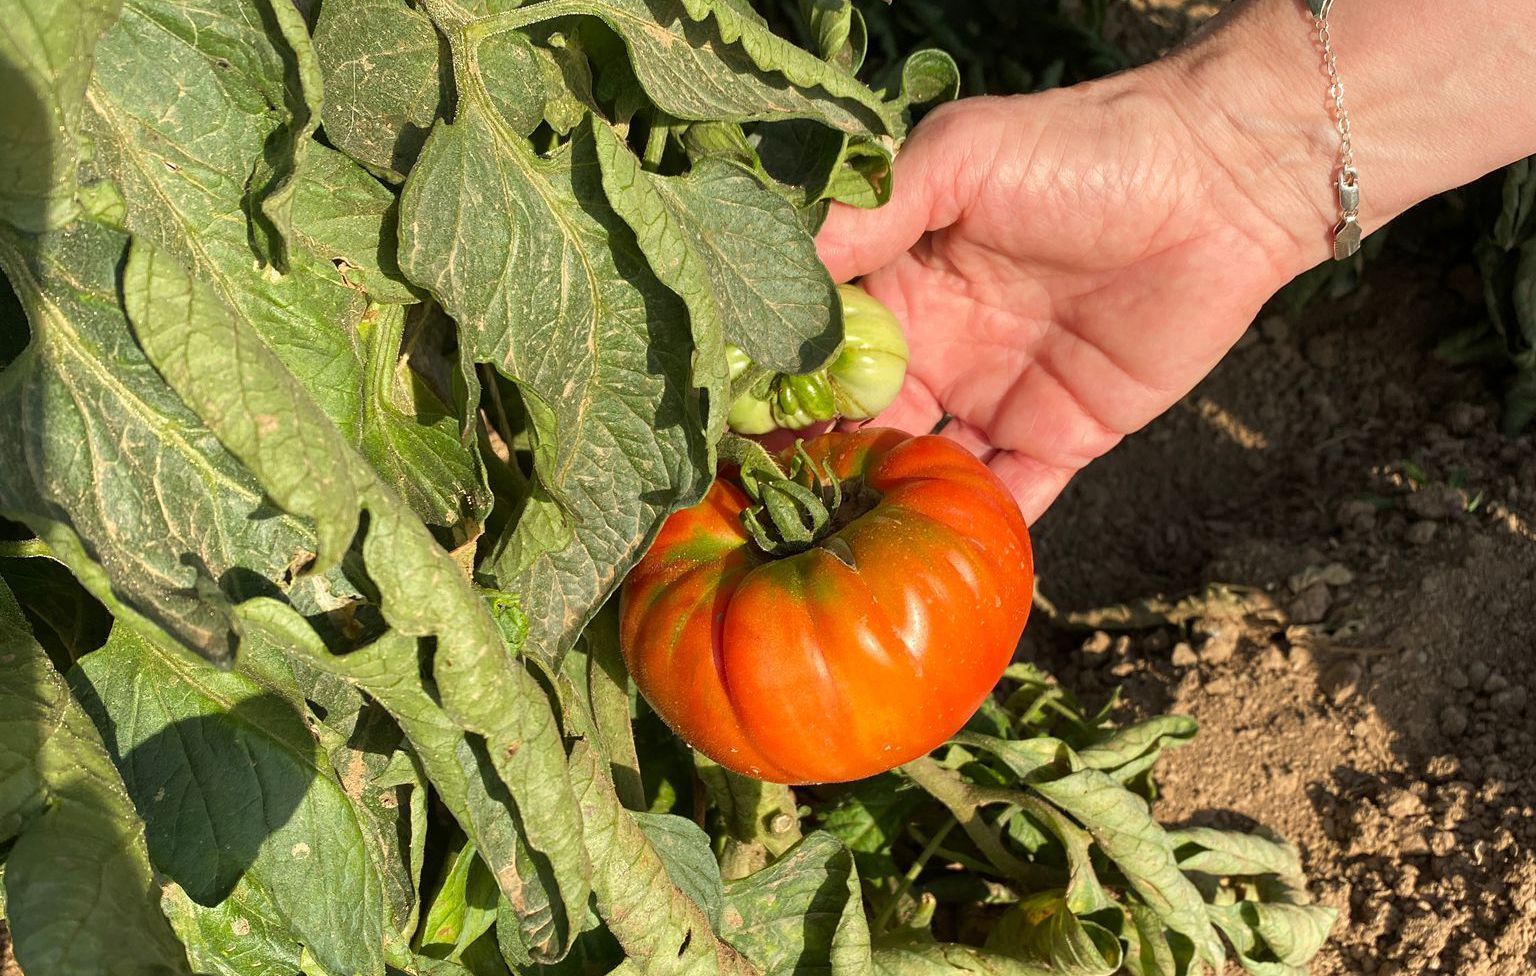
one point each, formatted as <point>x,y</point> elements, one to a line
<point>1272,658</point>
<point>1456,678</point>
<point>1184,656</point>
<point>1496,683</point>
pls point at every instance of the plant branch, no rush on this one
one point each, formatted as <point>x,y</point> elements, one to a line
<point>929,849</point>
<point>965,801</point>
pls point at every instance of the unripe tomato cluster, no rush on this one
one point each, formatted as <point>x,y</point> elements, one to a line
<point>860,381</point>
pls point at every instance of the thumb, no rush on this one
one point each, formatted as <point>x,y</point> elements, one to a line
<point>855,242</point>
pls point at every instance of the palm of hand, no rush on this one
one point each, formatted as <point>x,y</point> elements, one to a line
<point>1075,272</point>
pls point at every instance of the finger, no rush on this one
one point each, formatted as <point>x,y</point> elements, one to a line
<point>854,242</point>
<point>924,197</point>
<point>1035,485</point>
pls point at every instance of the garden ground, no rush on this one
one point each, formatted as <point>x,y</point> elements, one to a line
<point>1360,649</point>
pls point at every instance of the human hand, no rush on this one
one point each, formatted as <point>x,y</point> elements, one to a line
<point>1066,265</point>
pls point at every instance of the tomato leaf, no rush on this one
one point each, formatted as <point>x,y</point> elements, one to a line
<point>1274,939</point>
<point>381,60</point>
<point>173,724</point>
<point>598,348</point>
<point>80,895</point>
<point>83,390</point>
<point>48,51</point>
<point>926,958</point>
<point>684,850</point>
<point>1044,931</point>
<point>803,911</point>
<point>654,921</point>
<point>736,253</point>
<point>1123,827</point>
<point>187,193</point>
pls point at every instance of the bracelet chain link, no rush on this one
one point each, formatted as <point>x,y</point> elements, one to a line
<point>1347,235</point>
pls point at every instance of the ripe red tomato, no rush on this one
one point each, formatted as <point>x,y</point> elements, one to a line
<point>849,658</point>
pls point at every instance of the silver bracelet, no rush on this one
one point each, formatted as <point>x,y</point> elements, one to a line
<point>1346,236</point>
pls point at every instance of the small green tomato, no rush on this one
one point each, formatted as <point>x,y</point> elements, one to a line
<point>750,413</point>
<point>868,372</point>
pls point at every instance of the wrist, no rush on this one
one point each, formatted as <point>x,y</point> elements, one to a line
<point>1252,95</point>
<point>1437,99</point>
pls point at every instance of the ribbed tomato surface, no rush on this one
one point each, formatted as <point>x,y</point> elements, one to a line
<point>851,657</point>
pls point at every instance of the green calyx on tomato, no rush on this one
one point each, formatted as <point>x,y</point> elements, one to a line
<point>796,504</point>
<point>860,381</point>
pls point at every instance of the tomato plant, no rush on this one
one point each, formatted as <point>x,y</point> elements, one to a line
<point>849,656</point>
<point>352,353</point>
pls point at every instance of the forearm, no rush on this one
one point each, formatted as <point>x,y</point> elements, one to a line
<point>1440,92</point>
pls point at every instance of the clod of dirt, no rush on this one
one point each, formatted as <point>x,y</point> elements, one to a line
<point>1453,721</point>
<point>1311,604</point>
<point>1465,418</point>
<point>1220,641</point>
<point>1478,673</point>
<point>1510,701</point>
<point>1184,656</point>
<point>1421,533</point>
<point>1340,681</point>
<point>1357,515</point>
<point>1405,804</point>
<point>1219,687</point>
<point>1094,652</point>
<point>1437,502</point>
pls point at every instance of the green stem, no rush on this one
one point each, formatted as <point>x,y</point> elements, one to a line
<point>965,801</point>
<point>656,141</point>
<point>911,876</point>
<point>499,409</point>
<point>484,27</point>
